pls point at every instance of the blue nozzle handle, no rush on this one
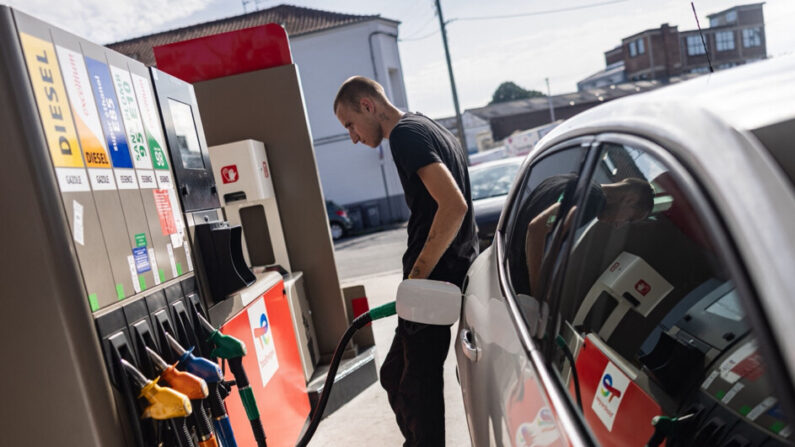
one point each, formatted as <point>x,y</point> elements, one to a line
<point>198,366</point>
<point>223,429</point>
<point>201,367</point>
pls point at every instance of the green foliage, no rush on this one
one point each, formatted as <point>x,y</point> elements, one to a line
<point>508,91</point>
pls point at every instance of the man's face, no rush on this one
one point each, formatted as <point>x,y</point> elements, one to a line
<point>625,212</point>
<point>362,126</point>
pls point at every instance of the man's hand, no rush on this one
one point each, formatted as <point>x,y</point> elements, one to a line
<point>450,212</point>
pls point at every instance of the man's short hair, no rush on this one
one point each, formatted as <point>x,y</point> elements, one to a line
<point>355,88</point>
<point>644,192</point>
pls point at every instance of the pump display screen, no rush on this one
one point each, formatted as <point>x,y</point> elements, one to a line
<point>185,129</point>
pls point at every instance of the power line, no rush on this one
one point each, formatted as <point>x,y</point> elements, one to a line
<point>536,13</point>
<point>421,37</point>
<point>431,15</point>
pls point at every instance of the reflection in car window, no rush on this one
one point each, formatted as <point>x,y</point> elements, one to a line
<point>544,197</point>
<point>653,322</point>
<point>492,181</point>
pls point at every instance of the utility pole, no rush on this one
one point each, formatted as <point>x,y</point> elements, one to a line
<point>459,122</point>
<point>549,101</point>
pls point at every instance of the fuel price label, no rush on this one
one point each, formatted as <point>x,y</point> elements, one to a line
<point>55,113</point>
<point>89,129</point>
<point>110,116</point>
<point>134,126</point>
<point>151,121</point>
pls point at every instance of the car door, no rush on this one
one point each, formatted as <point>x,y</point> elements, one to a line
<point>655,319</point>
<point>506,398</point>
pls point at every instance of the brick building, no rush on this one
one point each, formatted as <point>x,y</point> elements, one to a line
<point>735,36</point>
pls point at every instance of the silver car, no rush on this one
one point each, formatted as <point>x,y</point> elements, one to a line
<point>490,182</point>
<point>639,289</point>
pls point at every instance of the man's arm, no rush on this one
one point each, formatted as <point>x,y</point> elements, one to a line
<point>450,212</point>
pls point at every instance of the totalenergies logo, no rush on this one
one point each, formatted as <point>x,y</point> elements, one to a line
<point>262,332</point>
<point>607,388</point>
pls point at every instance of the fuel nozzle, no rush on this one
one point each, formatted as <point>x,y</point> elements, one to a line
<point>164,403</point>
<point>226,346</point>
<point>233,350</point>
<point>198,366</point>
<point>184,382</point>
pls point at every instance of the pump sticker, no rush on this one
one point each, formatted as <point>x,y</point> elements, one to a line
<point>141,260</point>
<point>155,270</point>
<point>77,227</point>
<point>744,362</point>
<point>609,394</point>
<point>762,407</point>
<point>146,179</point>
<point>133,276</point>
<point>72,179</point>
<point>172,261</point>
<point>165,212</point>
<point>164,180</point>
<point>115,140</point>
<point>89,129</point>
<point>151,121</point>
<point>187,256</point>
<point>263,340</point>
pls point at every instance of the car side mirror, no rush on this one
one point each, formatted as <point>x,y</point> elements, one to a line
<point>428,301</point>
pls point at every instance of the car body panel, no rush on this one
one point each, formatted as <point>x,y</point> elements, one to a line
<point>502,374</point>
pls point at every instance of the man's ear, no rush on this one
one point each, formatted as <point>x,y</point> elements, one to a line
<point>367,104</point>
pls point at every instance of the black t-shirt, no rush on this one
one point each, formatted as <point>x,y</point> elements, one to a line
<point>418,141</point>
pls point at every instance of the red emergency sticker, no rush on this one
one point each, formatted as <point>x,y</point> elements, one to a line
<point>642,287</point>
<point>229,174</point>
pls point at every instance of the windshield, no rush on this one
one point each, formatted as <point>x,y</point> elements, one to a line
<point>492,181</point>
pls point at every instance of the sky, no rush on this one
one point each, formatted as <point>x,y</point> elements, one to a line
<point>523,41</point>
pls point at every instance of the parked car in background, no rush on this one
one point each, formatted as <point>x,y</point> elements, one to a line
<point>489,183</point>
<point>631,322</point>
<point>338,220</point>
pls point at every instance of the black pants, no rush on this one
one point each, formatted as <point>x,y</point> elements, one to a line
<point>412,377</point>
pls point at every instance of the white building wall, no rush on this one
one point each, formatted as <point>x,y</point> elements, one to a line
<point>351,174</point>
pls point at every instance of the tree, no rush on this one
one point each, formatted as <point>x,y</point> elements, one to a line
<point>508,91</point>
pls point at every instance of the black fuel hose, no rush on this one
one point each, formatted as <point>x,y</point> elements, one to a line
<point>358,323</point>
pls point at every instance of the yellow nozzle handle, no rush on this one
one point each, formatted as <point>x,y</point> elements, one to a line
<point>165,403</point>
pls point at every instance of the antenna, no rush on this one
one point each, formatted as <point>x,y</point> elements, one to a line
<point>703,42</point>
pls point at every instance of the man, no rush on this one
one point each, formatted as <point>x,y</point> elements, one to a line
<point>442,243</point>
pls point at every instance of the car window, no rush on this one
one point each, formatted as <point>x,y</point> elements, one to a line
<point>651,318</point>
<point>492,181</point>
<point>545,196</point>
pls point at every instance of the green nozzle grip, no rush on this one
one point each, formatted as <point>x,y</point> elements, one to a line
<point>247,396</point>
<point>226,346</point>
<point>382,311</point>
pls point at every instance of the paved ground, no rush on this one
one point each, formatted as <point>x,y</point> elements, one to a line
<point>367,420</point>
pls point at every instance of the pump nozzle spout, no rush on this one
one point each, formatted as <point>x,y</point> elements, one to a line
<point>175,344</point>
<point>136,375</point>
<point>206,324</point>
<point>156,359</point>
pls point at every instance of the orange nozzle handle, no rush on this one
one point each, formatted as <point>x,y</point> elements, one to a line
<point>186,383</point>
<point>209,442</point>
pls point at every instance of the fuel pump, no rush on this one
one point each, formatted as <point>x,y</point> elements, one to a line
<point>165,404</point>
<point>196,390</point>
<point>231,349</point>
<point>211,373</point>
